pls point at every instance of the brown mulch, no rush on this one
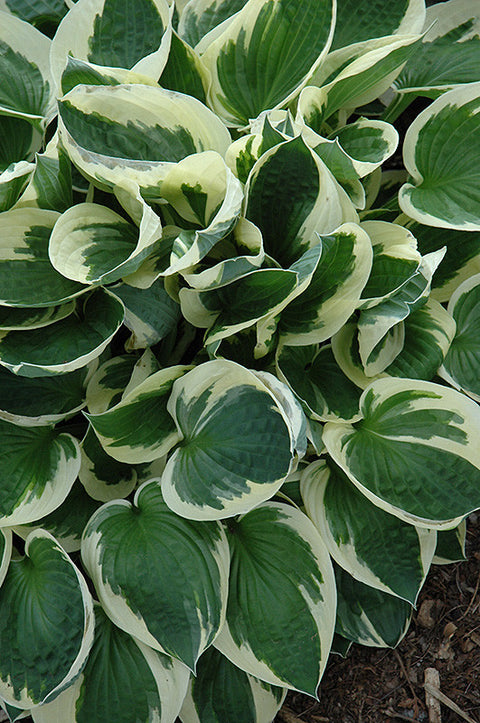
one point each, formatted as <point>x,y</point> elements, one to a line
<point>387,686</point>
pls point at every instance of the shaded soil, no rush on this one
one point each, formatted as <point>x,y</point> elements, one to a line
<point>386,686</point>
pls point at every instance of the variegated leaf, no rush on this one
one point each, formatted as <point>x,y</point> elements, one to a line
<point>202,190</point>
<point>135,132</point>
<point>282,599</point>
<point>150,314</point>
<point>107,384</point>
<point>368,142</point>
<point>140,682</point>
<point>184,71</point>
<point>429,332</point>
<point>200,17</point>
<point>356,75</point>
<point>36,12</point>
<point>41,400</point>
<point>158,576</point>
<point>103,477</point>
<point>362,20</point>
<point>92,244</point>
<point>235,256</point>
<point>376,322</point>
<point>67,345</point>
<point>244,152</point>
<point>368,616</point>
<point>306,184</point>
<point>40,466</point>
<point>26,317</point>
<point>19,141</point>
<point>238,442</point>
<point>334,291</point>
<point>27,278</point>
<point>461,260</point>
<point>258,296</point>
<point>43,653</point>
<point>447,56</point>
<point>14,178</point>
<point>27,88</point>
<point>283,40</point>
<point>461,364</point>
<point>445,187</point>
<point>222,692</point>
<point>354,530</point>
<point>395,260</point>
<point>114,34</point>
<point>414,453</point>
<point>67,522</point>
<point>317,380</point>
<point>139,428</point>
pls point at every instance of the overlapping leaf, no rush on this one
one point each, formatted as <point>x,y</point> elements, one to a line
<point>223,691</point>
<point>460,367</point>
<point>135,132</point>
<point>265,54</point>
<point>354,530</point>
<point>444,188</point>
<point>281,605</point>
<point>139,428</point>
<point>159,577</point>
<point>43,653</point>
<point>141,682</point>
<point>69,344</point>
<point>40,466</point>
<point>238,442</point>
<point>114,34</point>
<point>414,453</point>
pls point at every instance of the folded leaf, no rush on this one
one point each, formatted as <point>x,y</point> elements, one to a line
<point>334,291</point>
<point>317,380</point>
<point>368,616</point>
<point>447,56</point>
<point>302,193</point>
<point>27,278</point>
<point>135,132</point>
<point>139,428</point>
<point>92,244</point>
<point>357,21</point>
<point>41,400</point>
<point>461,364</point>
<point>116,34</point>
<point>69,344</point>
<point>27,88</point>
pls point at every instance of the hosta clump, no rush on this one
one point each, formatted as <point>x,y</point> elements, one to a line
<point>239,349</point>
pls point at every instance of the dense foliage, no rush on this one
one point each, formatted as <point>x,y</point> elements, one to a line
<point>239,360</point>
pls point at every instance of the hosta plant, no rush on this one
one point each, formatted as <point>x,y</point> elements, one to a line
<point>239,345</point>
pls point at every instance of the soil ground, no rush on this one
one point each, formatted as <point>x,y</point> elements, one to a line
<point>387,686</point>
